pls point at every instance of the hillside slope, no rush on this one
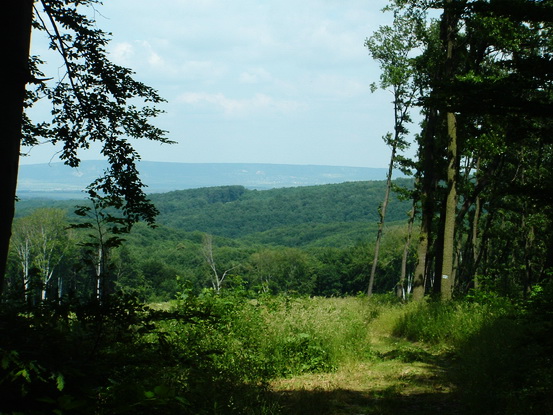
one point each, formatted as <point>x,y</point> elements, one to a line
<point>325,215</point>
<point>234,211</point>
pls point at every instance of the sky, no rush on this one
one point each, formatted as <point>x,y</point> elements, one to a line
<point>254,81</point>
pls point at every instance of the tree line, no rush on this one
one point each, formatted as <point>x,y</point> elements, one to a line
<point>479,72</point>
<point>52,255</point>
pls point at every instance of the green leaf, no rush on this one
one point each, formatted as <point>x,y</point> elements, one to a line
<point>60,382</point>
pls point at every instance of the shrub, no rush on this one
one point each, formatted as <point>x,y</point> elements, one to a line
<point>119,356</point>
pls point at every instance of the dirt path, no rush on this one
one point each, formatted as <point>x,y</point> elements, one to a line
<point>401,378</point>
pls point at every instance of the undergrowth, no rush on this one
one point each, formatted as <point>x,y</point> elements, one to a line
<point>499,352</point>
<point>447,324</point>
<point>217,353</point>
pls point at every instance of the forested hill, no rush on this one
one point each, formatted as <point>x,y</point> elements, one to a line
<point>285,216</point>
<point>234,211</point>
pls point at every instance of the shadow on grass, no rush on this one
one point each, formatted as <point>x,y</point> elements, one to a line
<point>409,380</point>
<point>389,401</point>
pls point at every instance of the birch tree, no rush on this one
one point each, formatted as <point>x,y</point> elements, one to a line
<point>51,239</point>
<point>40,241</point>
<point>22,245</point>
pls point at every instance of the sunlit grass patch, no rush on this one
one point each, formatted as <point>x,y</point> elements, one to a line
<point>322,332</point>
<point>445,324</point>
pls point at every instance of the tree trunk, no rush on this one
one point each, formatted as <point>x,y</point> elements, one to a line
<point>450,212</point>
<point>383,214</point>
<point>16,32</point>
<point>400,289</point>
<point>475,242</point>
<point>447,282</point>
<point>420,270</point>
<point>427,191</point>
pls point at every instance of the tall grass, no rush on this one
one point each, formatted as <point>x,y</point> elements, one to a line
<point>495,353</point>
<point>316,334</point>
<point>241,343</point>
<point>502,352</point>
<point>447,324</point>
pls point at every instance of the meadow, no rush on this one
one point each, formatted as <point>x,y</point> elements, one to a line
<point>230,353</point>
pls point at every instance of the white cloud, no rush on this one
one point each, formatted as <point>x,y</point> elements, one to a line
<point>122,53</point>
<point>162,59</point>
<point>255,76</point>
<point>240,107</point>
<point>156,61</point>
<point>338,86</point>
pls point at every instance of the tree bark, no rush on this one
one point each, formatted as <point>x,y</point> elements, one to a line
<point>427,193</point>
<point>475,241</point>
<point>420,270</point>
<point>447,282</point>
<point>383,213</point>
<point>16,32</point>
<point>401,291</point>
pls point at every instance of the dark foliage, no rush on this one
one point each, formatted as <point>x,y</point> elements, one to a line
<point>119,357</point>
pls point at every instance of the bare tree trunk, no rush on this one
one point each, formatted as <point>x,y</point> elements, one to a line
<point>99,270</point>
<point>419,280</point>
<point>475,243</point>
<point>60,286</point>
<point>207,251</point>
<point>447,282</point>
<point>16,31</point>
<point>382,212</point>
<point>427,190</point>
<point>24,253</point>
<point>447,276</point>
<point>401,291</point>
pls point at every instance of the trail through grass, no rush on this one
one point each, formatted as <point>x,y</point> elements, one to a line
<point>399,377</point>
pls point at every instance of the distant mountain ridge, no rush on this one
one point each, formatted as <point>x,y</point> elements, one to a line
<point>57,180</point>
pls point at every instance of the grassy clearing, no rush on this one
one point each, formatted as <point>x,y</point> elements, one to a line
<point>455,358</point>
<point>386,375</point>
<point>231,354</point>
<point>339,356</point>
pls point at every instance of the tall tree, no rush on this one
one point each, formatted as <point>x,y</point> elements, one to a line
<point>449,33</point>
<point>16,26</point>
<point>391,47</point>
<point>486,92</point>
<point>93,102</point>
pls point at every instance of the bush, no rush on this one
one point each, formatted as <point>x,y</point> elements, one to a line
<point>119,357</point>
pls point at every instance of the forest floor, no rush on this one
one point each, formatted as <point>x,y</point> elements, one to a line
<point>402,378</point>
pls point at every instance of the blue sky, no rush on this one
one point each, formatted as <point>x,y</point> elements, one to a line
<point>254,81</point>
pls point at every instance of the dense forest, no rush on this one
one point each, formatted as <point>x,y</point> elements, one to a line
<point>419,295</point>
<point>308,240</point>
